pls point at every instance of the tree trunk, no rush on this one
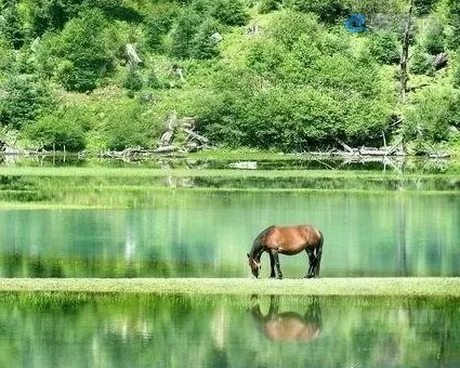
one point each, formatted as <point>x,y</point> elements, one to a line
<point>133,59</point>
<point>405,53</point>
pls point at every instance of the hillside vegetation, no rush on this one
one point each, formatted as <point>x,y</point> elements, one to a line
<point>272,74</point>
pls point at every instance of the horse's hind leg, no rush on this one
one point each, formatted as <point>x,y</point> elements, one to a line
<point>311,259</point>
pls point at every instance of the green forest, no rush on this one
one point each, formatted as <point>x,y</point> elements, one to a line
<point>279,75</point>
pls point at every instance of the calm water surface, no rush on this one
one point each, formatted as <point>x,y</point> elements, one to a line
<point>216,332</point>
<point>207,234</point>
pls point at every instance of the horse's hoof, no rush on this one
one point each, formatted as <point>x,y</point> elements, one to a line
<point>309,276</point>
<point>280,277</point>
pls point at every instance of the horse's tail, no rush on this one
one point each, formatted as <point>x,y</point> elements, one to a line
<point>258,242</point>
<point>319,252</point>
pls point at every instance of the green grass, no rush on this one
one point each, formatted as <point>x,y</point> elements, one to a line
<point>407,287</point>
<point>242,154</point>
<point>224,173</point>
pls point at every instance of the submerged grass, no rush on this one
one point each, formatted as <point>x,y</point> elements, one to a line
<point>397,287</point>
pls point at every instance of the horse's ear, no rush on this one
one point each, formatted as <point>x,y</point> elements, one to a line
<point>248,255</point>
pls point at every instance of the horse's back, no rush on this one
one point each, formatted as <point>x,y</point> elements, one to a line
<point>294,237</point>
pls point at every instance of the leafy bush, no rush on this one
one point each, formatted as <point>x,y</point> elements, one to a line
<point>456,72</point>
<point>127,124</point>
<point>115,9</point>
<point>203,45</point>
<point>424,7</point>
<point>384,48</point>
<point>55,130</point>
<point>183,34</point>
<point>26,98</point>
<point>11,25</point>
<point>267,6</point>
<point>421,63</point>
<point>329,11</point>
<point>133,81</point>
<point>433,40</point>
<point>157,25</point>
<point>265,57</point>
<point>83,60</point>
<point>288,26</point>
<point>48,15</point>
<point>454,22</point>
<point>294,119</point>
<point>228,12</point>
<point>432,112</point>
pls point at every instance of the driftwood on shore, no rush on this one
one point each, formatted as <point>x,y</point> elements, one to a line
<point>178,137</point>
<point>373,153</point>
<point>394,150</point>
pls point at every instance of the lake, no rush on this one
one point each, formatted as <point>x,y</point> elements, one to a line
<point>193,233</point>
<point>82,330</point>
<point>180,218</point>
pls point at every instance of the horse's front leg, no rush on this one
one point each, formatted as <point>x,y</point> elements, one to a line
<point>272,266</point>
<point>274,254</point>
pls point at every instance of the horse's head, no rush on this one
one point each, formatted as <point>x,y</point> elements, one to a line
<point>254,265</point>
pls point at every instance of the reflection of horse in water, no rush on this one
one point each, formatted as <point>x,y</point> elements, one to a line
<point>287,326</point>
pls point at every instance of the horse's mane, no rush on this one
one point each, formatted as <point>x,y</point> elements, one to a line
<point>258,242</point>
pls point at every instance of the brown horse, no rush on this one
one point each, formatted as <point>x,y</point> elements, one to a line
<point>287,326</point>
<point>288,240</point>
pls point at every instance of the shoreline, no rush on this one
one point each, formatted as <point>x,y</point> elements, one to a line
<point>391,286</point>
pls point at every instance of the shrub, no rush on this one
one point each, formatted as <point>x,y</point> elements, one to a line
<point>133,80</point>
<point>203,46</point>
<point>115,9</point>
<point>58,131</point>
<point>267,6</point>
<point>11,25</point>
<point>454,22</point>
<point>25,99</point>
<point>424,7</point>
<point>84,60</point>
<point>288,27</point>
<point>432,112</point>
<point>433,40</point>
<point>183,34</point>
<point>229,12</point>
<point>384,48</point>
<point>48,15</point>
<point>329,11</point>
<point>157,26</point>
<point>421,63</point>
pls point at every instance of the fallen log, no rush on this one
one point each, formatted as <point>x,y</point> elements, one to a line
<point>347,147</point>
<point>166,149</point>
<point>196,136</point>
<point>393,148</point>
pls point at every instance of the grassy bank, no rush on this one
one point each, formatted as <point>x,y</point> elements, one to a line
<point>409,287</point>
<point>144,172</point>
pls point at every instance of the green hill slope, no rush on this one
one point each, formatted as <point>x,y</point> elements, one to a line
<point>273,74</point>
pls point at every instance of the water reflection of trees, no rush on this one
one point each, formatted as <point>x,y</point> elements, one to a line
<point>118,331</point>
